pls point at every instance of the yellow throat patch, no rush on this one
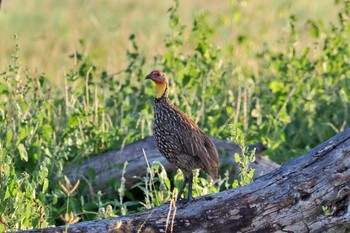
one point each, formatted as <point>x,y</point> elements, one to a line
<point>160,89</point>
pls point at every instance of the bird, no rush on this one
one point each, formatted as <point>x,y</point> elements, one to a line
<point>179,138</point>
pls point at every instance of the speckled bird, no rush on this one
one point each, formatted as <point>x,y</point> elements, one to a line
<point>179,138</point>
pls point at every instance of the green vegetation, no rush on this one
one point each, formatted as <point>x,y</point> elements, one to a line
<point>326,211</point>
<point>291,92</point>
<point>246,174</point>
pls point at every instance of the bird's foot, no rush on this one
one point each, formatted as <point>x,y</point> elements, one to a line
<point>182,202</point>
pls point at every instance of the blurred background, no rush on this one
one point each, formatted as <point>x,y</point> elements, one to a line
<point>48,32</point>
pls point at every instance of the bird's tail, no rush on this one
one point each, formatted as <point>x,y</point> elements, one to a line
<point>213,174</point>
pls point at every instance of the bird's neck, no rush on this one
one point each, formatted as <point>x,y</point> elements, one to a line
<point>161,90</point>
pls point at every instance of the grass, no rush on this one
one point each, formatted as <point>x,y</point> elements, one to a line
<point>72,87</point>
<point>47,37</point>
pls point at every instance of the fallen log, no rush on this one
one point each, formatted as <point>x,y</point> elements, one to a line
<point>309,194</point>
<point>108,165</point>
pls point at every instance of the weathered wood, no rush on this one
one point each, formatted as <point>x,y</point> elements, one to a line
<point>289,199</point>
<point>108,165</point>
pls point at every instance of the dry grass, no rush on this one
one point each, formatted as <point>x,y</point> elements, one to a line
<point>48,31</point>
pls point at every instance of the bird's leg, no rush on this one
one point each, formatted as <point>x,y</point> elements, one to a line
<point>182,187</point>
<point>187,180</point>
<point>190,179</point>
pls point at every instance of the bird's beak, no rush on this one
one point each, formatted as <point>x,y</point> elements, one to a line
<point>148,76</point>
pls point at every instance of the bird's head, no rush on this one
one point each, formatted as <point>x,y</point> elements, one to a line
<point>161,81</point>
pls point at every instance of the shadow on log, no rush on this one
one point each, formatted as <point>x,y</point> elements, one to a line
<point>309,194</point>
<point>108,165</point>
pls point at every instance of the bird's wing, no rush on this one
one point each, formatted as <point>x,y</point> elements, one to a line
<point>196,143</point>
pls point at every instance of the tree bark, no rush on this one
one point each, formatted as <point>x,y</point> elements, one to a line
<point>108,165</point>
<point>309,194</point>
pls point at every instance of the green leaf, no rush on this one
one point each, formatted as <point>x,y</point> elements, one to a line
<point>45,185</point>
<point>91,173</point>
<point>22,135</point>
<point>229,110</point>
<point>251,173</point>
<point>7,194</point>
<point>276,86</point>
<point>22,152</point>
<point>235,184</point>
<point>186,79</point>
<point>48,152</point>
<point>314,30</point>
<point>237,158</point>
<point>3,88</point>
<point>284,116</point>
<point>73,121</point>
<point>9,138</point>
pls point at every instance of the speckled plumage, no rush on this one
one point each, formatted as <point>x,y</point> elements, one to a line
<point>180,139</point>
